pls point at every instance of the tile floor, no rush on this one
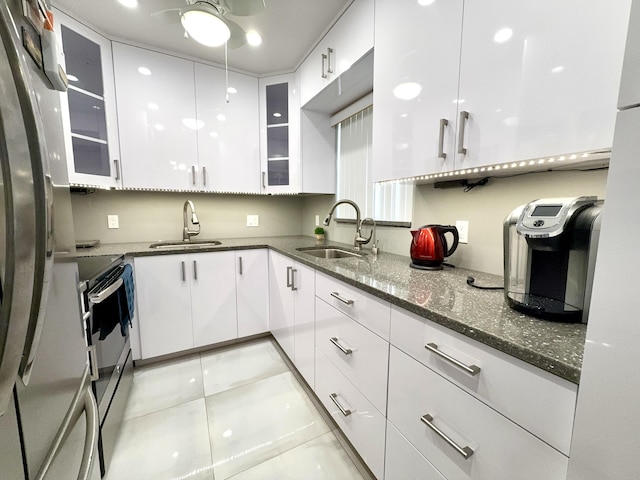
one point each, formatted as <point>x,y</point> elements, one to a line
<point>236,412</point>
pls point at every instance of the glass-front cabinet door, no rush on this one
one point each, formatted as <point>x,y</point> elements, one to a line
<point>88,107</point>
<point>279,135</point>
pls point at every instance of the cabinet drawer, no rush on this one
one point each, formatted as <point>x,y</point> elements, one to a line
<point>368,310</point>
<point>537,400</point>
<point>404,462</point>
<point>362,356</point>
<point>496,448</point>
<point>364,426</point>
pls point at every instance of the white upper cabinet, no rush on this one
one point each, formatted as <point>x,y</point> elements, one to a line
<point>89,106</point>
<point>348,40</point>
<point>527,85</point>
<point>157,119</point>
<point>416,86</point>
<point>228,140</point>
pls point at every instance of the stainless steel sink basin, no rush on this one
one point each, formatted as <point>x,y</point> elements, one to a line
<point>183,244</point>
<point>330,252</point>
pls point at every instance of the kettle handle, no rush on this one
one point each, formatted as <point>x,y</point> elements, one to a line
<point>454,231</point>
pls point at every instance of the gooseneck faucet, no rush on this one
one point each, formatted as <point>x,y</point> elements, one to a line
<point>358,241</point>
<point>186,232</point>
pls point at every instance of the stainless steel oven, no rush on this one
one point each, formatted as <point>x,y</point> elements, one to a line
<point>109,346</point>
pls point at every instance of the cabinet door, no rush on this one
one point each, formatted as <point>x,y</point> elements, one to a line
<point>89,106</point>
<point>213,297</point>
<point>280,134</point>
<point>416,87</point>
<point>252,285</point>
<point>281,307</point>
<point>164,304</point>
<point>228,132</point>
<point>157,119</point>
<point>527,77</point>
<point>304,287</point>
<point>313,72</point>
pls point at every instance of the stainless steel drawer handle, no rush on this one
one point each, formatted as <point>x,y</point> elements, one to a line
<point>184,272</point>
<point>289,281</point>
<point>337,296</point>
<point>324,61</point>
<point>334,398</point>
<point>329,60</point>
<point>195,269</point>
<point>470,369</point>
<point>240,265</point>
<point>346,351</point>
<point>116,165</point>
<point>465,451</point>
<point>293,279</point>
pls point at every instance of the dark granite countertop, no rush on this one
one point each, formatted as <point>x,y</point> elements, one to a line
<point>441,296</point>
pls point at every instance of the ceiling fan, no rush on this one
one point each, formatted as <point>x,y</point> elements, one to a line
<point>206,20</point>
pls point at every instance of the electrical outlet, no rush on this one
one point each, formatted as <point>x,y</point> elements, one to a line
<point>463,230</point>
<point>317,220</point>
<point>112,221</point>
<point>253,221</point>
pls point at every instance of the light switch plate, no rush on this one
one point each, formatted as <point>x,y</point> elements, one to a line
<point>253,221</point>
<point>463,230</point>
<point>112,221</point>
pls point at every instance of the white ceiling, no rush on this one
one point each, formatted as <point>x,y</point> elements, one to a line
<point>290,28</point>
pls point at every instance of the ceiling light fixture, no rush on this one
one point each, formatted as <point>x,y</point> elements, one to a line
<point>253,38</point>
<point>203,23</point>
<point>129,3</point>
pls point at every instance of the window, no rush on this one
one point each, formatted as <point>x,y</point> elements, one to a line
<point>390,203</point>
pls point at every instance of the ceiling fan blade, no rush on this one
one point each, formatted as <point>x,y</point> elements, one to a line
<point>238,35</point>
<point>171,15</point>
<point>243,8</point>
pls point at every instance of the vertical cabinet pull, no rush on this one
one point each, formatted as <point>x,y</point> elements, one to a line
<point>193,174</point>
<point>204,176</point>
<point>324,62</point>
<point>195,269</point>
<point>289,283</point>
<point>443,125</point>
<point>465,451</point>
<point>184,272</point>
<point>470,369</point>
<point>240,265</point>
<point>264,185</point>
<point>464,116</point>
<point>329,60</point>
<point>293,279</point>
<point>334,398</point>
<point>116,166</point>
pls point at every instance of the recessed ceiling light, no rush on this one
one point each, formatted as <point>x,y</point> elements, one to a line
<point>144,71</point>
<point>503,35</point>
<point>277,115</point>
<point>425,3</point>
<point>221,118</point>
<point>254,38</point>
<point>129,3</point>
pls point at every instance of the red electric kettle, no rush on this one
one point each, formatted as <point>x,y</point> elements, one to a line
<point>429,246</point>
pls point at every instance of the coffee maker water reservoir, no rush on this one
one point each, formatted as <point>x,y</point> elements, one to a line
<point>550,249</point>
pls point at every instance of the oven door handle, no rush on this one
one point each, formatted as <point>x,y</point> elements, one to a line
<point>102,295</point>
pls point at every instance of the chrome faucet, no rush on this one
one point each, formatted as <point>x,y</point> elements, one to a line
<point>372,235</point>
<point>358,241</point>
<point>186,233</point>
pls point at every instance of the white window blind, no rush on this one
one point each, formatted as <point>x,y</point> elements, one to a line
<point>389,202</point>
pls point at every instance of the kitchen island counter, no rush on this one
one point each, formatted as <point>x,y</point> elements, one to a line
<point>441,296</point>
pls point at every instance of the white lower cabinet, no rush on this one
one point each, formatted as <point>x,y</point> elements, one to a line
<point>404,462</point>
<point>461,436</point>
<point>292,311</point>
<point>356,416</point>
<point>193,300</point>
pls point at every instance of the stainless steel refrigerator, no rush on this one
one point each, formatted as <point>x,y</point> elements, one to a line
<point>48,415</point>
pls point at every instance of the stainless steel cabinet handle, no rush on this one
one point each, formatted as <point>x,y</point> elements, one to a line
<point>289,282</point>
<point>93,357</point>
<point>334,398</point>
<point>465,451</point>
<point>264,185</point>
<point>293,279</point>
<point>184,272</point>
<point>346,351</point>
<point>195,270</point>
<point>443,124</point>
<point>329,55</point>
<point>324,61</point>
<point>116,165</point>
<point>464,116</point>
<point>193,174</point>
<point>337,296</point>
<point>204,176</point>
<point>470,369</point>
<point>240,264</point>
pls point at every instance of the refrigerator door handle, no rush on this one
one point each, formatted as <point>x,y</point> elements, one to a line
<point>83,401</point>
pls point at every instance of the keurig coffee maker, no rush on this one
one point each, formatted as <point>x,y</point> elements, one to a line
<point>549,257</point>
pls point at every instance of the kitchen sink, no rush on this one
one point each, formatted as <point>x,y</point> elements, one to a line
<point>183,244</point>
<point>330,252</point>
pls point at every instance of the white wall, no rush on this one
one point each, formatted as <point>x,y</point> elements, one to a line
<point>484,207</point>
<point>152,216</point>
